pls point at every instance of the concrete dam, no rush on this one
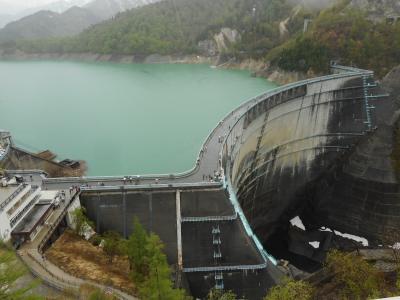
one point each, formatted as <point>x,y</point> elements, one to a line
<point>321,149</point>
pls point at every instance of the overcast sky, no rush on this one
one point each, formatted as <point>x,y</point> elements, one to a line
<point>13,6</point>
<point>26,3</point>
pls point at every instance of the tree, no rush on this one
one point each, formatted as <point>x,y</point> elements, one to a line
<point>291,289</point>
<point>215,294</point>
<point>10,271</point>
<point>112,244</point>
<point>158,284</point>
<point>149,267</point>
<point>80,220</point>
<point>136,250</point>
<point>358,279</point>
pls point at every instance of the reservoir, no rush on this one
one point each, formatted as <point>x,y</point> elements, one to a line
<point>122,119</point>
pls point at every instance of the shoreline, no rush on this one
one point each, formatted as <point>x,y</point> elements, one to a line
<point>257,68</point>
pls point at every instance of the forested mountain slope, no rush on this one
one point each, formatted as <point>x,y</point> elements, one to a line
<point>364,36</point>
<point>176,26</point>
<point>106,9</point>
<point>355,32</point>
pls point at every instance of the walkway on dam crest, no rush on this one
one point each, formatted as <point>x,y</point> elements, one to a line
<point>208,161</point>
<point>207,164</point>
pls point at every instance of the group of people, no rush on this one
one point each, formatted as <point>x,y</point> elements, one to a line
<point>74,189</point>
<point>216,178</point>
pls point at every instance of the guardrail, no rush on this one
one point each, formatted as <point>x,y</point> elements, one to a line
<point>12,196</point>
<point>209,218</point>
<point>225,268</point>
<point>155,186</point>
<point>64,282</point>
<point>26,172</point>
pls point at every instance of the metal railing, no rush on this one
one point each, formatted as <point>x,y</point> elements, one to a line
<point>209,218</point>
<point>12,196</point>
<point>27,172</point>
<point>22,200</point>
<point>24,211</point>
<point>152,186</point>
<point>225,268</point>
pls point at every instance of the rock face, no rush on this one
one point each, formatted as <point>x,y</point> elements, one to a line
<point>220,42</point>
<point>207,47</point>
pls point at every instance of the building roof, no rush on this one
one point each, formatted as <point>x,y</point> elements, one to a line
<point>32,219</point>
<point>6,192</point>
<point>48,195</point>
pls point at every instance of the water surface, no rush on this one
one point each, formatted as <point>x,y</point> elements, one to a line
<point>122,119</point>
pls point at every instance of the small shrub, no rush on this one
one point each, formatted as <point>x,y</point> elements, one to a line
<point>95,240</point>
<point>291,289</point>
<point>357,278</point>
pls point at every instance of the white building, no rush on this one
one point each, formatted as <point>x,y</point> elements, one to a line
<point>23,209</point>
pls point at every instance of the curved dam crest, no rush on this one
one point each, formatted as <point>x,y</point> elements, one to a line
<point>301,149</point>
<point>147,118</point>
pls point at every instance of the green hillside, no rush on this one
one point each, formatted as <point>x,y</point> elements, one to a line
<point>176,26</point>
<point>346,32</point>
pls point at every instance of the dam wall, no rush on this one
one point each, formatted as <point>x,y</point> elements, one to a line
<point>362,195</point>
<point>216,245</point>
<point>202,233</point>
<point>322,149</point>
<point>115,211</point>
<point>19,159</point>
<point>287,140</point>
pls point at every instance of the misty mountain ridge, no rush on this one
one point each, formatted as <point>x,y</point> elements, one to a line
<point>45,24</point>
<point>57,21</point>
<point>105,9</point>
<point>59,6</point>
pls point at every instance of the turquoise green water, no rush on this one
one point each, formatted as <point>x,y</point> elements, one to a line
<point>121,119</point>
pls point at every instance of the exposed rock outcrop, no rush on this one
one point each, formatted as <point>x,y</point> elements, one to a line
<point>220,42</point>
